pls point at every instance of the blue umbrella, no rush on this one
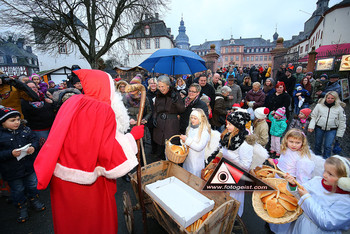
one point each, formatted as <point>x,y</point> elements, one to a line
<point>174,62</point>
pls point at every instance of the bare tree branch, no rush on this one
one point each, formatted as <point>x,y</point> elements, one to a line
<point>105,23</point>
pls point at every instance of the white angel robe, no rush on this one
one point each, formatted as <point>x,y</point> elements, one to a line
<point>324,212</point>
<point>194,162</point>
<point>242,157</point>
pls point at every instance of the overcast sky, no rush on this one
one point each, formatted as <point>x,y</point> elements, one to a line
<point>219,19</point>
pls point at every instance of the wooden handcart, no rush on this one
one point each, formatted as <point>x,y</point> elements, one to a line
<point>222,220</point>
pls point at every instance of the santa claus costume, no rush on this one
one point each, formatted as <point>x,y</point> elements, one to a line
<point>84,154</point>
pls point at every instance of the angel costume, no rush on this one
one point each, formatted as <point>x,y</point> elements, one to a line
<point>194,162</point>
<point>324,211</point>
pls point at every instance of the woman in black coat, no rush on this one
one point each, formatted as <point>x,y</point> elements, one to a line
<point>279,99</point>
<point>192,101</point>
<point>167,108</point>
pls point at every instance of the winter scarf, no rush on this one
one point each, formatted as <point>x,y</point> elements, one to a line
<point>236,141</point>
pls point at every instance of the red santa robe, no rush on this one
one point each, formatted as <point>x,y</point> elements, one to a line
<point>84,154</point>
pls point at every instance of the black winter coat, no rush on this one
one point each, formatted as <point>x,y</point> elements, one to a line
<point>185,116</point>
<point>273,102</point>
<point>38,118</point>
<point>165,116</point>
<point>10,168</point>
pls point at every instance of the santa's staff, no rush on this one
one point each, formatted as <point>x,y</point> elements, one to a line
<point>140,88</point>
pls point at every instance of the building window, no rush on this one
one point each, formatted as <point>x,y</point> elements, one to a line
<point>226,58</point>
<point>231,58</point>
<point>247,58</point>
<point>62,48</point>
<point>243,59</point>
<point>157,43</point>
<point>301,49</point>
<point>14,59</point>
<point>29,60</point>
<point>261,58</point>
<point>148,44</point>
<point>237,49</point>
<point>256,58</point>
<point>269,58</point>
<point>226,50</point>
<point>2,60</point>
<point>237,58</point>
<point>248,50</point>
<point>265,58</point>
<point>138,44</point>
<point>252,58</point>
<point>307,48</point>
<point>147,30</point>
<point>231,49</point>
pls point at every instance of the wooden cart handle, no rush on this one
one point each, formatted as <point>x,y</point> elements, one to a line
<point>281,173</point>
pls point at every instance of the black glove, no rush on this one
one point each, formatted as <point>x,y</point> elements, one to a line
<point>174,97</point>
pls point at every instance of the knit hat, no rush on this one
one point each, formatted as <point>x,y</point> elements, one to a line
<point>281,111</point>
<point>344,182</point>
<point>324,75</point>
<point>7,112</point>
<point>306,112</point>
<point>309,74</point>
<point>135,80</point>
<point>261,112</point>
<point>239,119</point>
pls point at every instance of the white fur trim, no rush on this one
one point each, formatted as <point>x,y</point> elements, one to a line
<point>83,177</point>
<point>345,162</point>
<point>344,183</point>
<point>121,113</point>
<point>196,113</point>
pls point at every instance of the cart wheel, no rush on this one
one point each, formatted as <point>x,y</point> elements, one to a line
<point>239,226</point>
<point>128,212</point>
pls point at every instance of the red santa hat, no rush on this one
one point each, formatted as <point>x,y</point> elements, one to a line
<point>99,85</point>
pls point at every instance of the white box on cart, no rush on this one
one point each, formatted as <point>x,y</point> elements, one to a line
<point>184,203</point>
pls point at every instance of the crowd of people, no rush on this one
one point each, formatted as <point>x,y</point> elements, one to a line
<point>247,107</point>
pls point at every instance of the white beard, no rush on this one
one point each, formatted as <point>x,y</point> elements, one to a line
<point>121,113</point>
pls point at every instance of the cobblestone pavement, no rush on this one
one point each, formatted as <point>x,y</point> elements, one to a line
<point>41,223</point>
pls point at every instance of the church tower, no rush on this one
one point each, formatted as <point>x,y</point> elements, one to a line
<point>321,7</point>
<point>181,40</point>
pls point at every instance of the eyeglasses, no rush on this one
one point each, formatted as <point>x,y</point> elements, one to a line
<point>191,91</point>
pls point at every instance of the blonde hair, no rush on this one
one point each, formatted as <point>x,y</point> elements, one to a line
<point>337,100</point>
<point>180,79</point>
<point>232,134</point>
<point>256,84</point>
<point>300,135</point>
<point>119,83</point>
<point>249,82</point>
<point>339,169</point>
<point>203,123</point>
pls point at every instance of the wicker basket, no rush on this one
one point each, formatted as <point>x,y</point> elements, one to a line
<point>173,157</point>
<point>290,216</point>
